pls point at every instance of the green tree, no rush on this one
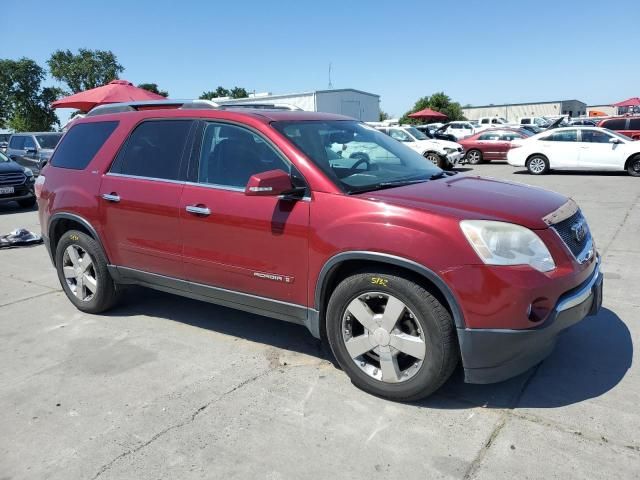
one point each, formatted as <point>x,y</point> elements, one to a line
<point>235,92</point>
<point>24,104</point>
<point>217,93</point>
<point>383,116</point>
<point>440,102</point>
<point>85,70</point>
<point>153,87</point>
<point>238,92</point>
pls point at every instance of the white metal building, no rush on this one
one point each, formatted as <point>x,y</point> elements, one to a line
<point>344,101</point>
<point>513,111</point>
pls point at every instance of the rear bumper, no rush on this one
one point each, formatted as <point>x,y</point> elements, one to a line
<point>493,355</point>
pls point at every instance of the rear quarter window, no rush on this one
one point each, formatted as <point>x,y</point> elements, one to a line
<point>80,144</point>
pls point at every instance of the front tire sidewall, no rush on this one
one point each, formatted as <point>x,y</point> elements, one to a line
<point>435,365</point>
<point>104,296</point>
<point>474,161</point>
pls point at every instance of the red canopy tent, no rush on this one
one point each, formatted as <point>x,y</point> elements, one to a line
<point>629,102</point>
<point>114,92</point>
<point>428,114</point>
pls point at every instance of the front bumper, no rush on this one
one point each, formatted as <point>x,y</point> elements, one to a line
<point>455,157</point>
<point>493,355</point>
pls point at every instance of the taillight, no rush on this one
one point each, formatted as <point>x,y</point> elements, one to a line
<point>39,185</point>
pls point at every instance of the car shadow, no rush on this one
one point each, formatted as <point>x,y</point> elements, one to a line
<point>9,208</point>
<point>590,358</point>
<point>579,173</point>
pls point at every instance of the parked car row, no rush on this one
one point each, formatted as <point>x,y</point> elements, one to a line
<point>32,149</point>
<point>576,148</point>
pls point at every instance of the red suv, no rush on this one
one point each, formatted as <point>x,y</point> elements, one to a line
<point>403,268</point>
<point>629,126</point>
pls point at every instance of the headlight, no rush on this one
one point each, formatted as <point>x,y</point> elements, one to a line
<point>500,243</point>
<point>450,150</point>
<point>28,172</point>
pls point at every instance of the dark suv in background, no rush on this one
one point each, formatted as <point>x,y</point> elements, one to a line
<point>16,183</point>
<point>32,149</point>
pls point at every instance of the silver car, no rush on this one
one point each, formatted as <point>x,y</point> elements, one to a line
<point>32,149</point>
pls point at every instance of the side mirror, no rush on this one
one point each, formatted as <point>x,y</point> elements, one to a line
<point>271,183</point>
<point>615,140</point>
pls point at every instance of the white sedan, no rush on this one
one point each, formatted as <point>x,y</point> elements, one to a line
<point>576,148</point>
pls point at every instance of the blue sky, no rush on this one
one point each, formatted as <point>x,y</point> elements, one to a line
<point>477,52</point>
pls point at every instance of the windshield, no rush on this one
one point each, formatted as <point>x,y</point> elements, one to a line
<point>3,158</point>
<point>357,157</point>
<point>49,140</point>
<point>540,122</point>
<point>417,134</point>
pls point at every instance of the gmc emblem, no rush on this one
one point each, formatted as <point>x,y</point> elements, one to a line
<point>579,231</point>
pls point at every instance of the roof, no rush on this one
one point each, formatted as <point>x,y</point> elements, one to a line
<point>262,115</point>
<point>518,104</point>
<point>37,133</point>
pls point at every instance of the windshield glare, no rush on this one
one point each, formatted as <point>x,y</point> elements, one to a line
<point>355,156</point>
<point>48,141</point>
<point>3,158</point>
<point>417,134</point>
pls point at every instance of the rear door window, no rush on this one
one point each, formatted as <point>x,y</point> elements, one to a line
<point>615,124</point>
<point>17,142</point>
<point>563,136</point>
<point>634,124</point>
<point>78,147</point>
<point>155,149</point>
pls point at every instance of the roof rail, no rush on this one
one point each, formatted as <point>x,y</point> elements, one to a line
<point>151,104</point>
<point>261,106</point>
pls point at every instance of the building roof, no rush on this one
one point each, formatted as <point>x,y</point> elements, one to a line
<point>519,104</point>
<point>259,98</point>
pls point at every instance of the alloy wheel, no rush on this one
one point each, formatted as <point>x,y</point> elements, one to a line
<point>383,337</point>
<point>79,272</point>
<point>433,159</point>
<point>474,157</point>
<point>636,166</point>
<point>537,165</point>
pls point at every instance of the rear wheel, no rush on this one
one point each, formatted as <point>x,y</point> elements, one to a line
<point>391,336</point>
<point>474,157</point>
<point>538,165</point>
<point>83,274</point>
<point>633,167</point>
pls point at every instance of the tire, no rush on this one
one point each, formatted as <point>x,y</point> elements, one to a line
<point>27,202</point>
<point>538,165</point>
<point>633,167</point>
<point>436,159</point>
<point>104,293</point>
<point>474,157</point>
<point>423,325</point>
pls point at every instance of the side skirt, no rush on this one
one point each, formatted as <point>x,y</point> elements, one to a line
<point>289,312</point>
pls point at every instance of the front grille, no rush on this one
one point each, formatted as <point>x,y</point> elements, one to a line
<point>566,230</point>
<point>13,178</point>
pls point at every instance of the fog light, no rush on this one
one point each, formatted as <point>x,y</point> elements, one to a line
<point>539,310</point>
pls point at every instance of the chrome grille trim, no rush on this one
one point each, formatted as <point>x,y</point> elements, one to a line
<point>583,249</point>
<point>13,178</point>
<point>565,211</point>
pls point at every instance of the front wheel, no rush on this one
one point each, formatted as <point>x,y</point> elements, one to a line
<point>538,165</point>
<point>474,157</point>
<point>634,166</point>
<point>391,336</point>
<point>436,159</point>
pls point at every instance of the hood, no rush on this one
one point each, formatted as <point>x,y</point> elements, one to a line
<point>437,144</point>
<point>467,197</point>
<point>10,167</point>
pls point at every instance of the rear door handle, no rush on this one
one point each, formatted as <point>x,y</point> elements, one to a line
<point>111,197</point>
<point>196,210</point>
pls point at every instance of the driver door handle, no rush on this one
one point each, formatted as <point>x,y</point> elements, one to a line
<point>198,210</point>
<point>111,197</point>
